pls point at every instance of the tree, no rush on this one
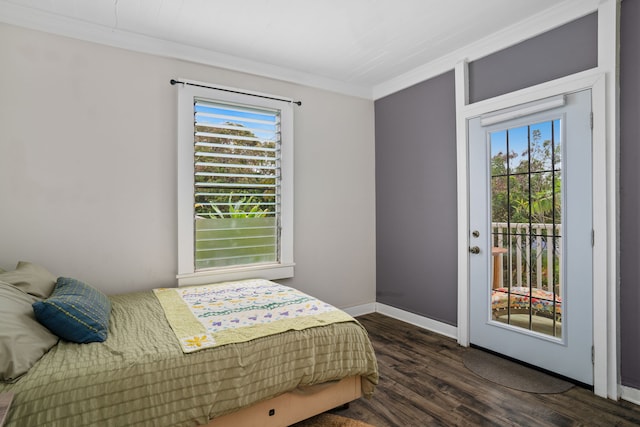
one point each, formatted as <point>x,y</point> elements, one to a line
<point>526,189</point>
<point>235,172</point>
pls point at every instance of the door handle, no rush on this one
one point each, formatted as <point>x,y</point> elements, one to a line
<point>474,250</point>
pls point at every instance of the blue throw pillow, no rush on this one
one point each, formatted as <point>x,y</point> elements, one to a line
<point>75,312</point>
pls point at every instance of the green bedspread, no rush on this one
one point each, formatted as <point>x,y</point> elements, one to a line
<point>140,377</point>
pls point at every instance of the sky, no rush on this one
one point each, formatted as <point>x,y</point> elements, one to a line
<point>518,139</point>
<point>262,124</point>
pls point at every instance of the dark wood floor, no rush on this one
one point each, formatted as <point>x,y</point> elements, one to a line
<point>423,382</point>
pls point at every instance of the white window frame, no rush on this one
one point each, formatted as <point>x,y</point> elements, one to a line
<point>284,267</point>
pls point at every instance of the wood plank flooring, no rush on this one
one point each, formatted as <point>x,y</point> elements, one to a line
<point>423,382</point>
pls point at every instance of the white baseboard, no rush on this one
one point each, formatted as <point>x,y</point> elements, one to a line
<point>360,310</point>
<point>417,320</point>
<point>630,394</point>
<point>405,316</point>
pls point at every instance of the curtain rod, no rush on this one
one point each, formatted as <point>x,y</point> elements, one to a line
<point>174,82</point>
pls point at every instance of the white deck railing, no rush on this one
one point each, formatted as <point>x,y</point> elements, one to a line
<point>520,255</point>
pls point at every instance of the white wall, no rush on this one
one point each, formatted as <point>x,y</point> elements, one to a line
<point>88,169</point>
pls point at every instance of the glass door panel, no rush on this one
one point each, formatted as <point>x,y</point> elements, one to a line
<point>526,203</point>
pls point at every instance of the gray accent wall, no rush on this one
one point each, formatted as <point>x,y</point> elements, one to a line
<point>565,50</point>
<point>416,180</point>
<point>629,193</point>
<point>416,201</point>
<point>416,231</point>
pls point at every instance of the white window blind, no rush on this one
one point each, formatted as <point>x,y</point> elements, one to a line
<point>237,190</point>
<point>235,185</point>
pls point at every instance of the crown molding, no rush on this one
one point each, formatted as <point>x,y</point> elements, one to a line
<point>532,26</point>
<point>546,20</point>
<point>38,20</point>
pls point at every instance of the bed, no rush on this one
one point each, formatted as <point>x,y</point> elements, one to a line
<point>140,375</point>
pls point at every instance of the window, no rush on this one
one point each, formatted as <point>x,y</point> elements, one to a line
<point>235,186</point>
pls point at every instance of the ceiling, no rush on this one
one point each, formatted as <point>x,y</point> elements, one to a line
<point>355,43</point>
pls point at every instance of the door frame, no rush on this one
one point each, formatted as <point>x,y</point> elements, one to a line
<point>605,374</point>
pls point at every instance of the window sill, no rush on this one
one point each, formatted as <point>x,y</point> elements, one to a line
<point>268,272</point>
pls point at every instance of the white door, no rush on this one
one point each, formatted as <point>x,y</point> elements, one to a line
<point>530,217</point>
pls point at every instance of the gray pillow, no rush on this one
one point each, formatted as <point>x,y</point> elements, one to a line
<point>31,278</point>
<point>23,341</point>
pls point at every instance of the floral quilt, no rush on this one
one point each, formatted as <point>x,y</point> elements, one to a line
<point>219,314</point>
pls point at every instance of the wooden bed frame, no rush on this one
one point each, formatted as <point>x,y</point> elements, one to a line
<point>294,406</point>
